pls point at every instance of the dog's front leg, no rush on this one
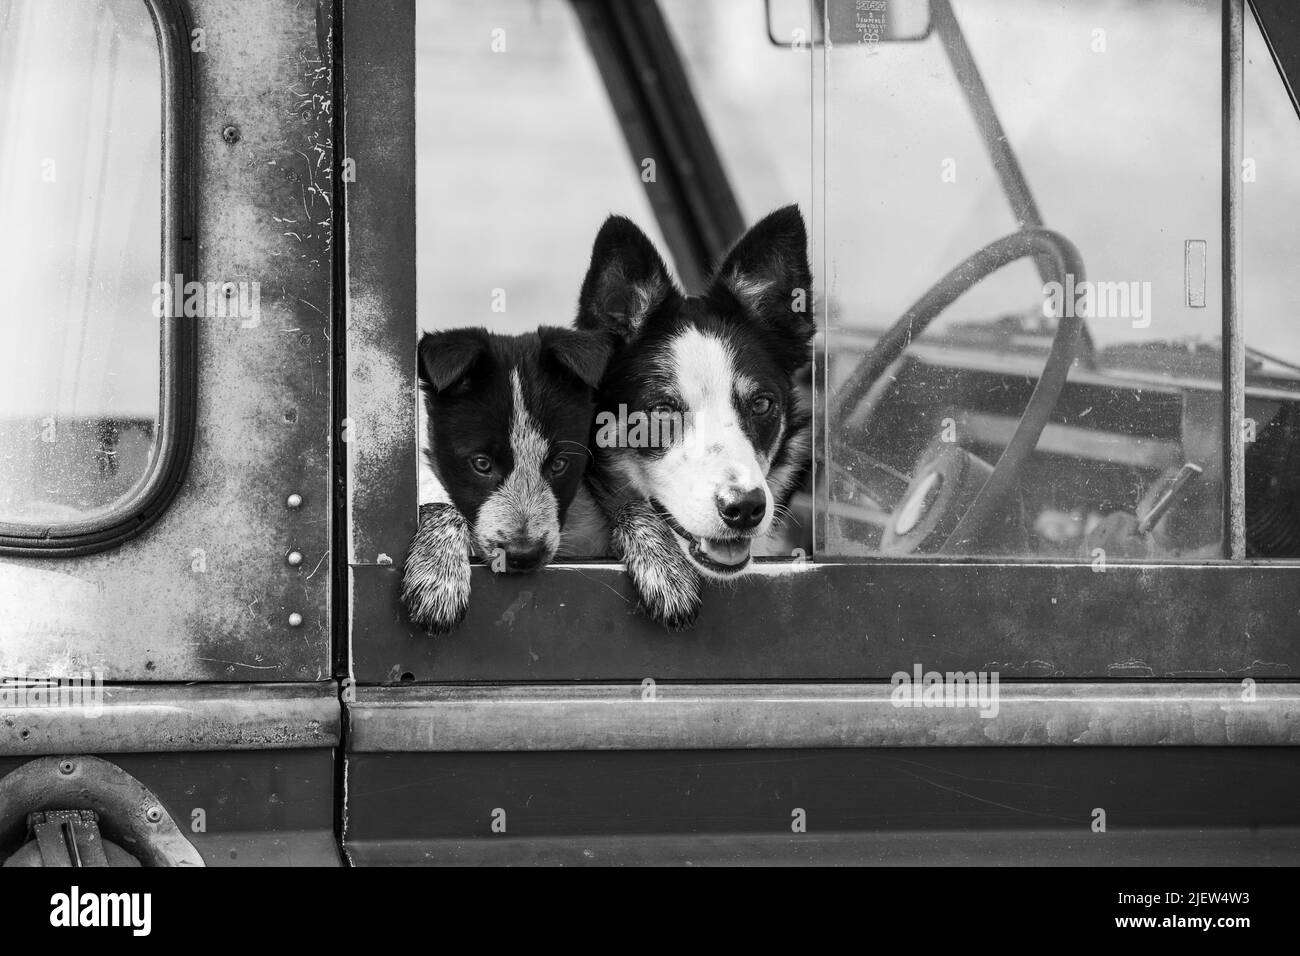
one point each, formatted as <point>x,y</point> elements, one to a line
<point>435,582</point>
<point>665,581</point>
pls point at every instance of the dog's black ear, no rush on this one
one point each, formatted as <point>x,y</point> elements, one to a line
<point>584,354</point>
<point>767,273</point>
<point>626,282</point>
<point>446,357</point>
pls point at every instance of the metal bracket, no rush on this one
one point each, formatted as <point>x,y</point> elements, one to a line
<point>68,837</point>
<point>130,814</point>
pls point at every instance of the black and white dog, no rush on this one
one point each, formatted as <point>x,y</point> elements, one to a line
<point>504,426</point>
<point>718,369</point>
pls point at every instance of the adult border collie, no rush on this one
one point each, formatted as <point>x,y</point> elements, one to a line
<point>718,370</point>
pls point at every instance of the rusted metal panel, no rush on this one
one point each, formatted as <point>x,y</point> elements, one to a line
<point>1242,846</point>
<point>155,719</point>
<point>868,620</point>
<point>144,826</point>
<point>250,808</point>
<point>207,593</point>
<point>661,716</point>
<point>1038,799</point>
<point>379,142</point>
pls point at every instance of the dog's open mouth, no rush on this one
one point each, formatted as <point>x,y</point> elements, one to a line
<point>722,556</point>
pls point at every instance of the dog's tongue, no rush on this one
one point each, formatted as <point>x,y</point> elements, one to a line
<point>726,552</point>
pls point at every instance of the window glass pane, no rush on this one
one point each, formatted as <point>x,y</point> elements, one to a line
<point>520,159</point>
<point>756,98</point>
<point>1269,289</point>
<point>1111,109</point>
<point>80,254</point>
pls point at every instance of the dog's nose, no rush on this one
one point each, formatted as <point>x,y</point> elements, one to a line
<point>525,559</point>
<point>744,509</point>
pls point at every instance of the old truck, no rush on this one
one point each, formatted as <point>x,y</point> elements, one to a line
<point>1057,405</point>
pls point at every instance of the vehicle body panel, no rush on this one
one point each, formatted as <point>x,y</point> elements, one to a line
<point>206,592</point>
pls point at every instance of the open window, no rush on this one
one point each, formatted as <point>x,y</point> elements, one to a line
<point>1054,402</point>
<point>519,160</point>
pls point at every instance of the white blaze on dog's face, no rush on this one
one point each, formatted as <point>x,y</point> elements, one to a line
<point>719,367</point>
<point>508,420</point>
<point>714,478</point>
<point>521,515</point>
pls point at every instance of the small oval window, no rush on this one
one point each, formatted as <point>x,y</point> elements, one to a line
<point>84,389</point>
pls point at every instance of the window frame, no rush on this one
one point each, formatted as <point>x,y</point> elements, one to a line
<point>852,622</point>
<point>179,358</point>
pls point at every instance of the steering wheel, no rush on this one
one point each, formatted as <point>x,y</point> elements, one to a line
<point>1064,259</point>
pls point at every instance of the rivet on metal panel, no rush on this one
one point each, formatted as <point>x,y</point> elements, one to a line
<point>294,558</point>
<point>66,767</point>
<point>153,814</point>
<point>294,501</point>
<point>295,619</point>
<point>231,135</point>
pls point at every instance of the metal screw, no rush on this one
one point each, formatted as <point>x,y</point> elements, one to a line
<point>295,619</point>
<point>66,767</point>
<point>231,135</point>
<point>294,558</point>
<point>294,501</point>
<point>153,814</point>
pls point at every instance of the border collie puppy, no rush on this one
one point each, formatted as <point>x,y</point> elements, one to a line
<point>504,426</point>
<point>699,436</point>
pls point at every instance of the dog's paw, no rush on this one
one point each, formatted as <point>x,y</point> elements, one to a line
<point>665,581</point>
<point>435,581</point>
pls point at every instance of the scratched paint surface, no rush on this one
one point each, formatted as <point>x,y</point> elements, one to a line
<point>847,622</point>
<point>207,593</point>
<point>379,72</point>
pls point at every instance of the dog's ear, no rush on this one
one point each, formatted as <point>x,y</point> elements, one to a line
<point>446,357</point>
<point>626,282</point>
<point>583,354</point>
<point>767,273</point>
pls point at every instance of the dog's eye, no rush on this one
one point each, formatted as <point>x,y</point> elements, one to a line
<point>559,467</point>
<point>663,408</point>
<point>761,405</point>
<point>481,463</point>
